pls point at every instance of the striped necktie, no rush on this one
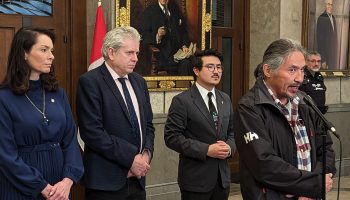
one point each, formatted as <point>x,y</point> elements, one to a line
<point>213,110</point>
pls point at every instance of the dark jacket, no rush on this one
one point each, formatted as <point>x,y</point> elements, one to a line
<point>314,86</point>
<point>267,149</point>
<point>327,43</point>
<point>105,127</point>
<point>189,130</point>
<point>176,32</point>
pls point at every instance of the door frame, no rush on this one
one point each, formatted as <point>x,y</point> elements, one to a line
<point>239,85</point>
<point>77,47</point>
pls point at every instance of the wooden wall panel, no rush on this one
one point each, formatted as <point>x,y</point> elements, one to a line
<point>8,28</point>
<point>6,35</point>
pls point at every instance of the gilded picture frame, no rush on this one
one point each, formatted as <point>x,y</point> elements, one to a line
<point>198,15</point>
<point>326,30</point>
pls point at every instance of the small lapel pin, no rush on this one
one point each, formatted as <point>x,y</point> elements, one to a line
<point>53,100</point>
<point>222,102</point>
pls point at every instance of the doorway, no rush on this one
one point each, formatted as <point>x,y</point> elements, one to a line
<point>230,29</point>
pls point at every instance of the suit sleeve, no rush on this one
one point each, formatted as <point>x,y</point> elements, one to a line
<point>321,37</point>
<point>149,135</point>
<point>230,132</point>
<point>147,31</point>
<point>174,132</point>
<point>91,125</point>
<point>263,163</point>
<point>183,31</point>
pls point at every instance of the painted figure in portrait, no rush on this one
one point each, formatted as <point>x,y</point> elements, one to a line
<point>327,37</point>
<point>164,33</point>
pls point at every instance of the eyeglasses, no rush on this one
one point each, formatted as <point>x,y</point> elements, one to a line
<point>212,67</point>
<point>314,61</point>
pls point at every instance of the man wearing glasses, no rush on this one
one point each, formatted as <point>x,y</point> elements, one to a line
<point>199,127</point>
<point>313,83</point>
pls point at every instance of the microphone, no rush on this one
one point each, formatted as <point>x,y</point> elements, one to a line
<point>308,100</point>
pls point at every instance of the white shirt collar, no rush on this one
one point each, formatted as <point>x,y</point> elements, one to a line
<point>204,92</point>
<point>115,76</point>
<point>161,6</point>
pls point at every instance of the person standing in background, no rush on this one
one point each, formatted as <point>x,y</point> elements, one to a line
<point>39,153</point>
<point>199,128</point>
<point>115,121</point>
<point>313,83</point>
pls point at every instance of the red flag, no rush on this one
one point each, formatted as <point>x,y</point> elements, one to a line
<point>96,58</point>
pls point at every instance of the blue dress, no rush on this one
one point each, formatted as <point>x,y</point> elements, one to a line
<point>34,153</point>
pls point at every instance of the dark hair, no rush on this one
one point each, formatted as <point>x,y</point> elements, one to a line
<point>18,70</point>
<point>312,53</point>
<point>258,72</point>
<point>197,61</point>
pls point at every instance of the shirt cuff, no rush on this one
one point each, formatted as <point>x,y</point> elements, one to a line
<point>149,154</point>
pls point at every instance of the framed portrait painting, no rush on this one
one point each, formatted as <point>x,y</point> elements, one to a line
<point>171,31</point>
<point>326,30</point>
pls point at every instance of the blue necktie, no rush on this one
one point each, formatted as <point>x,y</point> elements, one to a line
<point>213,111</point>
<point>132,113</point>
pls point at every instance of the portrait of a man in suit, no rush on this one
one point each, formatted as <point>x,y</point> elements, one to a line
<point>115,121</point>
<point>199,127</point>
<point>326,33</point>
<point>163,26</point>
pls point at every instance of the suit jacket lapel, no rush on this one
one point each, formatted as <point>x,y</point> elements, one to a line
<point>199,102</point>
<point>160,11</point>
<point>113,87</point>
<point>220,107</point>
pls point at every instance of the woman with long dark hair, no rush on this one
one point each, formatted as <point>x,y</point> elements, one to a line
<point>39,153</point>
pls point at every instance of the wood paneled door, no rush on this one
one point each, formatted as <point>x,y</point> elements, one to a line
<point>230,30</point>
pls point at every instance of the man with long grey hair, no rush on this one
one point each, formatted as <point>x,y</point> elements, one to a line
<point>115,121</point>
<point>278,136</point>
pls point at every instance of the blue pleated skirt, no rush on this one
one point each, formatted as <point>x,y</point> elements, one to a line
<point>48,160</point>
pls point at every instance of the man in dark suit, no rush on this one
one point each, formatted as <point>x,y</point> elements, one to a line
<point>199,127</point>
<point>115,122</point>
<point>164,27</point>
<point>327,44</point>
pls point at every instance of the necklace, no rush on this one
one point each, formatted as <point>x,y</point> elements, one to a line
<point>46,121</point>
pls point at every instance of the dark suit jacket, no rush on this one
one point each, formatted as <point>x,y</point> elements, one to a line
<point>327,44</point>
<point>190,130</point>
<point>105,127</point>
<point>177,36</point>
